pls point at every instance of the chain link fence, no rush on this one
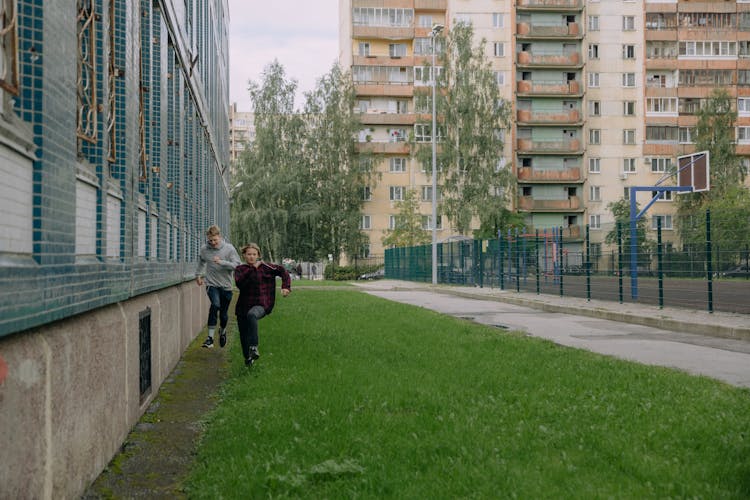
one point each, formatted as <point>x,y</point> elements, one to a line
<point>693,263</point>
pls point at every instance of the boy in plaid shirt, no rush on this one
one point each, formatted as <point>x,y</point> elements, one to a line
<point>256,281</point>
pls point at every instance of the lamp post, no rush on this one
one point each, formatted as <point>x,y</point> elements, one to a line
<point>436,29</point>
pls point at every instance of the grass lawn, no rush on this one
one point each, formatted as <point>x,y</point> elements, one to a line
<point>358,397</point>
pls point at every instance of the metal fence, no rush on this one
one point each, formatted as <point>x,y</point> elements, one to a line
<point>709,272</point>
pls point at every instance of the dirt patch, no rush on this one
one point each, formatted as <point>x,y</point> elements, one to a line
<point>159,451</point>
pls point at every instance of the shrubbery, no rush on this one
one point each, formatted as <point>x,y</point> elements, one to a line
<point>347,273</point>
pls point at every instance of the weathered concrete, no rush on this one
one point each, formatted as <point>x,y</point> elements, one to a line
<point>71,393</point>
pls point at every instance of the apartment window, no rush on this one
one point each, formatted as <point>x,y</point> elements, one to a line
<point>366,193</point>
<point>628,165</point>
<point>665,195</point>
<point>595,221</point>
<point>743,105</point>
<point>376,16</point>
<point>427,222</point>
<point>628,51</point>
<point>628,108</point>
<point>595,136</point>
<point>628,23</point>
<point>662,105</point>
<point>685,135</point>
<point>661,165</point>
<point>595,165</point>
<point>707,48</point>
<point>499,49</point>
<point>463,17</point>
<point>666,222</point>
<point>628,136</point>
<point>422,46</point>
<point>424,21</point>
<point>392,221</point>
<point>422,133</point>
<point>743,134</point>
<point>657,133</point>
<point>593,23</point>
<point>626,193</point>
<point>595,193</point>
<point>500,77</point>
<point>593,79</point>
<point>396,193</point>
<point>595,108</point>
<point>397,49</point>
<point>396,135</point>
<point>423,74</point>
<point>366,222</point>
<point>364,49</point>
<point>398,165</point>
<point>628,79</point>
<point>593,51</point>
<point>497,20</point>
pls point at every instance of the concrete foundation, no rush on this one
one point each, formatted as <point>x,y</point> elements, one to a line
<point>70,391</point>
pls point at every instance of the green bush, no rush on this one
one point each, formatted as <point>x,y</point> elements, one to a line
<point>347,273</point>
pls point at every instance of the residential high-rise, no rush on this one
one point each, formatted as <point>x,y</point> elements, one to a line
<point>604,97</point>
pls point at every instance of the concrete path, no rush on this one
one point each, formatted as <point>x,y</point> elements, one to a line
<point>715,345</point>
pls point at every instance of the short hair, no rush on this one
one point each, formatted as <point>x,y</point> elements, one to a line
<point>251,245</point>
<point>213,231</point>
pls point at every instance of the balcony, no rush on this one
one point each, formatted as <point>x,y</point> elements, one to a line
<point>384,89</point>
<point>571,232</point>
<point>374,117</point>
<point>528,174</point>
<point>552,60</point>
<point>562,117</point>
<point>549,147</point>
<point>570,203</point>
<point>553,5</point>
<point>383,147</point>
<point>526,30</point>
<point>383,32</point>
<point>383,60</point>
<point>549,88</point>
<point>430,4</point>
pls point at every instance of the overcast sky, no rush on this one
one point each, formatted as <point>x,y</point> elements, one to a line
<point>301,34</point>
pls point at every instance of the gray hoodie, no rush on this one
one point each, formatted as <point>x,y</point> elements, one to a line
<point>218,275</point>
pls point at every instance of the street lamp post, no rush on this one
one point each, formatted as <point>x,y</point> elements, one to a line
<point>436,29</point>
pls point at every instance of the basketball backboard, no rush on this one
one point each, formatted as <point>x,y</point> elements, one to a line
<point>693,171</point>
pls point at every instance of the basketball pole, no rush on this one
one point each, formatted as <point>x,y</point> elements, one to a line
<point>660,190</point>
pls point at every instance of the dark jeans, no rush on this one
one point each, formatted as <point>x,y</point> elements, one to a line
<point>248,326</point>
<point>220,300</point>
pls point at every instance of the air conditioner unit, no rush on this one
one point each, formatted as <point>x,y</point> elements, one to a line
<point>647,160</point>
<point>623,176</point>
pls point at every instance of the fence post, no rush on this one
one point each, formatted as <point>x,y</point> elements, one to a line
<point>560,258</point>
<point>709,261</point>
<point>518,264</point>
<point>500,269</point>
<point>619,259</point>
<point>659,263</point>
<point>538,264</point>
<point>588,265</point>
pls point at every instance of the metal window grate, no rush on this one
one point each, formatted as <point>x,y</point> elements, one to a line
<point>144,351</point>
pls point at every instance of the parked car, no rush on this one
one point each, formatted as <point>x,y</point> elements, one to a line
<point>374,275</point>
<point>742,271</point>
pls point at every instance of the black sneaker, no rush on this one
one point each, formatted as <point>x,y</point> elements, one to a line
<point>254,353</point>
<point>223,337</point>
<point>249,362</point>
<point>208,343</point>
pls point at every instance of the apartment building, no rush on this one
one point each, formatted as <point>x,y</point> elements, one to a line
<point>604,97</point>
<point>241,133</point>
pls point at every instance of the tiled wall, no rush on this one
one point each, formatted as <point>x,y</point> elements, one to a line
<point>90,223</point>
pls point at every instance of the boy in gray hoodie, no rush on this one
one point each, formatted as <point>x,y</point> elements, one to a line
<point>216,262</point>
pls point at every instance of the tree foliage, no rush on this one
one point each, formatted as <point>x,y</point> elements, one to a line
<point>472,117</point>
<point>408,231</point>
<point>337,175</point>
<point>728,199</point>
<point>264,205</point>
<point>620,209</point>
<point>301,185</point>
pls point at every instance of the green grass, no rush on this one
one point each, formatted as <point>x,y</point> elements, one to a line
<point>358,397</point>
<point>319,283</point>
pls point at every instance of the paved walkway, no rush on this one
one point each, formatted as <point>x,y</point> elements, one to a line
<point>715,344</point>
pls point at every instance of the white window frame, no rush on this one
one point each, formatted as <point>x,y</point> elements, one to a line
<point>593,23</point>
<point>593,51</point>
<point>628,165</point>
<point>366,222</point>
<point>498,20</point>
<point>595,221</point>
<point>628,23</point>
<point>628,108</point>
<point>595,193</point>
<point>595,165</point>
<point>743,106</point>
<point>397,165</point>
<point>593,80</point>
<point>666,224</point>
<point>628,51</point>
<point>628,136</point>
<point>628,80</point>
<point>595,108</point>
<point>595,136</point>
<point>396,193</point>
<point>498,49</point>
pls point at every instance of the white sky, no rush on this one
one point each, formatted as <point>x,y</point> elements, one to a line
<point>301,34</point>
